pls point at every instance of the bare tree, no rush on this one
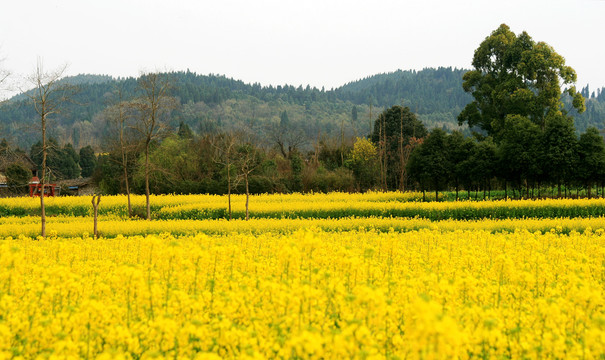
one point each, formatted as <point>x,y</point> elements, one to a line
<point>402,159</point>
<point>4,74</point>
<point>118,116</point>
<point>153,106</point>
<point>224,155</point>
<point>246,162</point>
<point>288,138</point>
<point>48,94</point>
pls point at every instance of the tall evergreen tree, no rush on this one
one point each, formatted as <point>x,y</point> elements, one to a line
<point>388,129</point>
<point>88,160</point>
<point>514,75</point>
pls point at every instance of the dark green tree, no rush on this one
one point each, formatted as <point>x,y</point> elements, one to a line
<point>483,162</point>
<point>429,164</point>
<point>388,130</point>
<point>514,75</point>
<point>518,151</point>
<point>296,164</point>
<point>591,158</point>
<point>284,121</point>
<point>184,131</point>
<point>17,178</point>
<point>459,149</point>
<point>67,167</point>
<point>88,161</point>
<point>558,150</point>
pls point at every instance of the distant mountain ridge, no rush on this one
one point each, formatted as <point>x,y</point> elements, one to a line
<point>211,103</point>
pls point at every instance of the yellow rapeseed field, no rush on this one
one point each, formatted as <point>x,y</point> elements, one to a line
<point>355,287</point>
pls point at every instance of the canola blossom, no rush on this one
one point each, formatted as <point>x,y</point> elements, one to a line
<point>321,276</point>
<point>333,205</point>
<point>69,226</point>
<point>306,294</point>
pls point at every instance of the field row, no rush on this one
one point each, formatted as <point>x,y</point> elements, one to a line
<point>63,226</point>
<point>117,204</point>
<point>316,206</point>
<point>310,294</point>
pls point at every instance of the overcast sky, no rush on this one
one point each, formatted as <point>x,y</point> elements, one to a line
<point>317,42</point>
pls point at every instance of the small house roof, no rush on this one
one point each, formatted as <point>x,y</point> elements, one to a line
<point>75,182</point>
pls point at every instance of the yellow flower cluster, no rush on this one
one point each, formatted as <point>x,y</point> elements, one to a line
<point>426,294</point>
<point>111,226</point>
<point>311,287</point>
<point>332,205</point>
<point>209,201</point>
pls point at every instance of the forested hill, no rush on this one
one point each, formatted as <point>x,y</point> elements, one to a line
<point>427,91</point>
<point>211,103</point>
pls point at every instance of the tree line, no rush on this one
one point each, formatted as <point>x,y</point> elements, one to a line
<point>520,135</point>
<point>214,103</point>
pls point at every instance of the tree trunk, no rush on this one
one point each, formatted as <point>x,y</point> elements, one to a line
<point>247,197</point>
<point>229,188</point>
<point>126,182</point>
<point>589,187</point>
<point>95,207</point>
<point>566,196</point>
<point>43,180</point>
<point>559,189</point>
<point>423,195</point>
<point>147,180</point>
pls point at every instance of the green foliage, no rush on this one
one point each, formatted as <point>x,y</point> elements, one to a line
<point>184,131</point>
<point>591,158</point>
<point>558,149</point>
<point>296,164</point>
<point>513,75</point>
<point>62,162</point>
<point>459,150</point>
<point>88,161</point>
<point>323,180</point>
<point>394,125</point>
<point>109,174</point>
<point>17,178</point>
<point>518,148</point>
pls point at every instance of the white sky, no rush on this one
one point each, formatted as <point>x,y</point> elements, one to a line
<point>317,42</point>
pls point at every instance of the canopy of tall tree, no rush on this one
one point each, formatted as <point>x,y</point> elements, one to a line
<point>514,75</point>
